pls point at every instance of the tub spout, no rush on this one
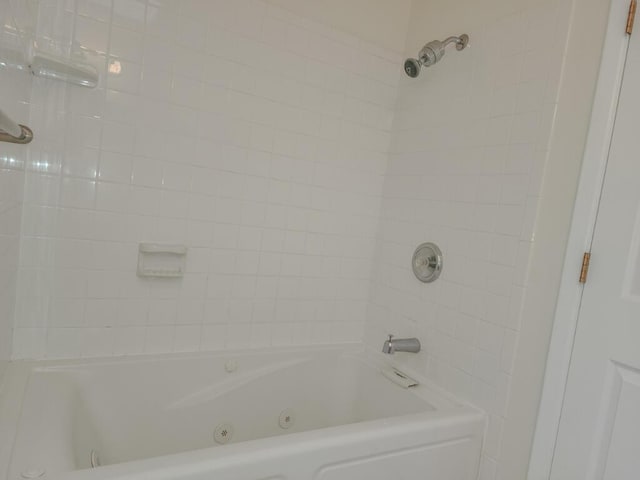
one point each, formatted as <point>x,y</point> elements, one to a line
<point>393,345</point>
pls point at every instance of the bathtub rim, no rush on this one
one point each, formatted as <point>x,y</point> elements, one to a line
<point>373,358</point>
<point>465,422</point>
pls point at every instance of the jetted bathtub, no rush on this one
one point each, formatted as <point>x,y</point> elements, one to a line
<point>322,413</point>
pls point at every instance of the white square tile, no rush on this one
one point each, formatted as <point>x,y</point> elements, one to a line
<point>126,44</point>
<point>128,340</point>
<point>97,342</point>
<point>214,337</point>
<point>65,343</point>
<point>124,76</point>
<point>187,339</point>
<point>129,14</point>
<point>159,339</point>
<point>92,34</point>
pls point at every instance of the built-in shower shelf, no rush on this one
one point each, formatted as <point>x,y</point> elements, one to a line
<point>161,261</point>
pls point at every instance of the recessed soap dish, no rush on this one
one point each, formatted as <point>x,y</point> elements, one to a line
<point>161,261</point>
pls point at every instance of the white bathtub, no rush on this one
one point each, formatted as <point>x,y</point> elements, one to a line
<point>155,418</point>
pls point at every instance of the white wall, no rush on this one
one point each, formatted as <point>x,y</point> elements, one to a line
<point>380,22</point>
<point>469,150</point>
<point>253,136</point>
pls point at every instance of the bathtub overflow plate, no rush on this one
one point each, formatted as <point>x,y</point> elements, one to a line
<point>427,262</point>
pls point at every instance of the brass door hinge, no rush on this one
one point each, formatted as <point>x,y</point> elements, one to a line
<point>584,271</point>
<point>632,16</point>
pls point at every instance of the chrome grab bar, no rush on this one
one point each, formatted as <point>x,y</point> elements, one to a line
<point>12,132</point>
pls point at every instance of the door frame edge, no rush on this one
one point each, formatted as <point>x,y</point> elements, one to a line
<point>580,236</point>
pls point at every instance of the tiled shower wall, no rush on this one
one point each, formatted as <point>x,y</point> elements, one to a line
<point>11,183</point>
<point>15,93</point>
<point>256,138</point>
<point>468,153</point>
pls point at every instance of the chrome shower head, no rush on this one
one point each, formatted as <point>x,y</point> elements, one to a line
<point>412,67</point>
<point>432,53</point>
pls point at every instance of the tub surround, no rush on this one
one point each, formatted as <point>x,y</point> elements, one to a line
<point>315,170</point>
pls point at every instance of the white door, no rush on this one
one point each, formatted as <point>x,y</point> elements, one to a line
<point>599,435</point>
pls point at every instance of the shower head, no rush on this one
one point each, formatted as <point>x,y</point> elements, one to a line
<point>431,54</point>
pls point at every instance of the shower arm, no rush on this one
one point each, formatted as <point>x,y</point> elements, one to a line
<point>461,41</point>
<point>449,40</point>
